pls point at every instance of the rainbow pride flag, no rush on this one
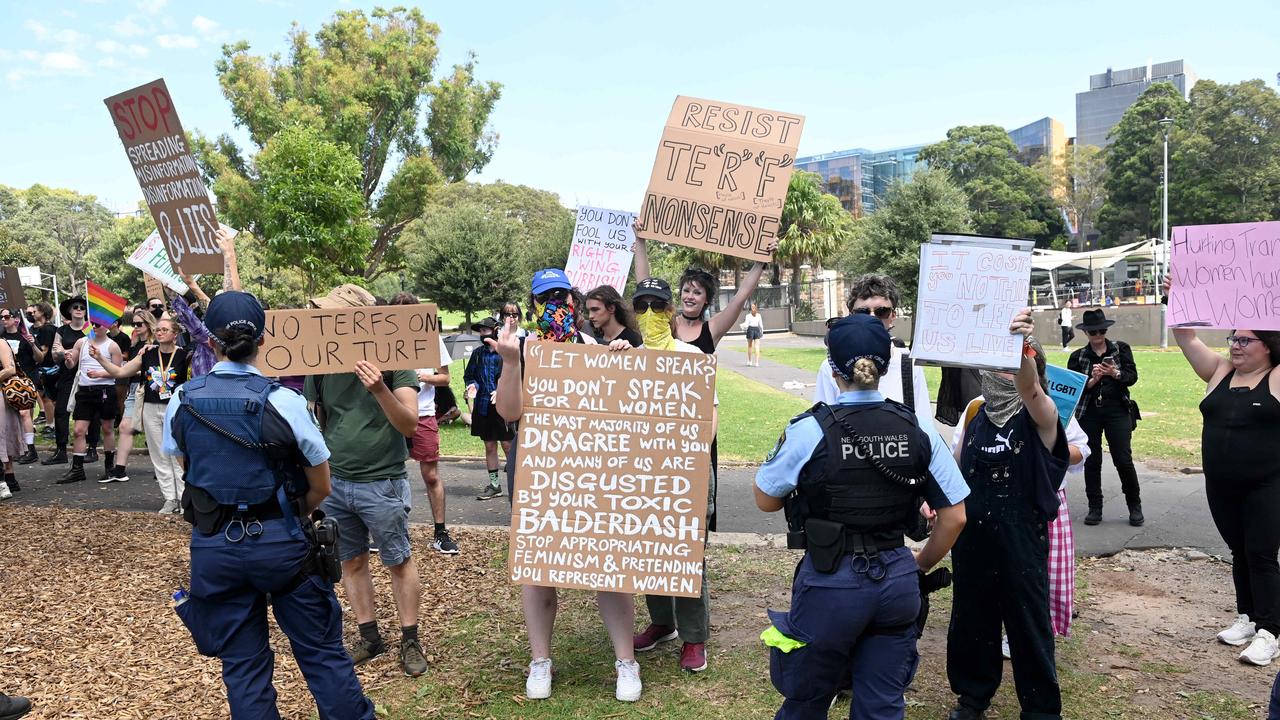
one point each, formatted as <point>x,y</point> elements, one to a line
<point>105,307</point>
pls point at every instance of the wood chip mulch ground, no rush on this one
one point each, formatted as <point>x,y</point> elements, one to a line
<point>87,628</point>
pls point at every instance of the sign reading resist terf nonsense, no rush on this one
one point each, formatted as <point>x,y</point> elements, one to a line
<point>613,469</point>
<point>720,177</point>
<point>157,148</point>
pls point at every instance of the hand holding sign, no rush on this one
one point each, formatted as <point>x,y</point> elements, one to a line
<point>370,376</point>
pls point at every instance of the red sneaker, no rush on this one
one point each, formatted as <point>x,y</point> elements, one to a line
<point>653,635</point>
<point>693,657</point>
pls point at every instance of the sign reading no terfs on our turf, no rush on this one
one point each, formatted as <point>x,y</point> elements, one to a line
<point>153,139</point>
<point>612,469</point>
<point>318,342</point>
<point>720,177</point>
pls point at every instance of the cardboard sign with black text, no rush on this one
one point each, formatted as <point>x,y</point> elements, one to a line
<point>720,177</point>
<point>612,469</point>
<point>157,148</point>
<point>319,342</point>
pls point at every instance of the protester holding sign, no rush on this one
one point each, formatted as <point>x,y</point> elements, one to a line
<point>1014,458</point>
<point>555,313</point>
<point>164,368</point>
<point>1105,408</point>
<point>856,593</point>
<point>365,416</point>
<point>1242,475</point>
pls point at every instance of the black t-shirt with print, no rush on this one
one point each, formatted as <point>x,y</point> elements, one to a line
<point>165,371</point>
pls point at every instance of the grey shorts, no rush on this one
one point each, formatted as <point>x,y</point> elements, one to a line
<point>377,509</point>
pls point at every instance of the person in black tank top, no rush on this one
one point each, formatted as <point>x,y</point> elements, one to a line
<point>1242,477</point>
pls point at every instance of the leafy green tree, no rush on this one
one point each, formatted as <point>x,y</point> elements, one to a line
<point>888,240</point>
<point>55,229</point>
<point>1008,199</point>
<point>814,225</point>
<point>466,258</point>
<point>1077,183</point>
<point>362,84</point>
<point>543,227</point>
<point>1134,160</point>
<point>1225,162</point>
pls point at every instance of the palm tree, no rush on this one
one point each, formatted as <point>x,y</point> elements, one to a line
<point>814,226</point>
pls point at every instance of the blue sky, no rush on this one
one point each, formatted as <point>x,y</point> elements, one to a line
<point>587,85</point>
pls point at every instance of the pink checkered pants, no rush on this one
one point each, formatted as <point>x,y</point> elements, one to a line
<point>1062,569</point>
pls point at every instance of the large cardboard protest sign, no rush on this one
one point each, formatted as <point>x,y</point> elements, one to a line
<point>318,342</point>
<point>157,148</point>
<point>11,294</point>
<point>720,177</point>
<point>601,249</point>
<point>1225,276</point>
<point>1065,388</point>
<point>612,469</point>
<point>970,288</point>
<point>154,288</point>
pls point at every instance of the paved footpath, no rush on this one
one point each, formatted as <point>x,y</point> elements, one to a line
<point>1175,507</point>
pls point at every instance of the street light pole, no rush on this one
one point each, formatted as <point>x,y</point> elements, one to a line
<point>1165,123</point>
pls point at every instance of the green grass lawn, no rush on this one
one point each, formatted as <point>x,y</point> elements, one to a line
<point>751,416</point>
<point>1168,392</point>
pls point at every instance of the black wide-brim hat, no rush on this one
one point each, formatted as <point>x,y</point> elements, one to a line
<point>64,307</point>
<point>1095,320</point>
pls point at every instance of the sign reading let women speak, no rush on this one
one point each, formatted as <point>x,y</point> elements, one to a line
<point>157,148</point>
<point>613,469</point>
<point>720,177</point>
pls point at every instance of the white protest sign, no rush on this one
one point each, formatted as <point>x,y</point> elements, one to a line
<point>601,251</point>
<point>150,257</point>
<point>970,288</point>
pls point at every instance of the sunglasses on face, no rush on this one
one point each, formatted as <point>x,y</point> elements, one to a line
<point>1097,332</point>
<point>643,305</point>
<point>881,313</point>
<point>557,294</point>
<point>6,316</point>
<point>77,307</point>
<point>511,314</point>
<point>1241,342</point>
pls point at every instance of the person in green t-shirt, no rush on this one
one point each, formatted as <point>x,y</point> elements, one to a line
<point>365,417</point>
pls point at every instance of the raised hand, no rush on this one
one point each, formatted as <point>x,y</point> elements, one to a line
<point>370,376</point>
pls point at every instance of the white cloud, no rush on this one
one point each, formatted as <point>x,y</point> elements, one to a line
<point>15,77</point>
<point>68,37</point>
<point>128,27</point>
<point>5,55</point>
<point>152,7</point>
<point>204,25</point>
<point>139,51</point>
<point>38,30</point>
<point>29,55</point>
<point>110,63</point>
<point>173,42</point>
<point>68,62</point>
<point>109,46</point>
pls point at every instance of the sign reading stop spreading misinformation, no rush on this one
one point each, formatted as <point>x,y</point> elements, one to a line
<point>157,148</point>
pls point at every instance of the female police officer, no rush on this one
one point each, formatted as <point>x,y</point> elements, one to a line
<point>254,461</point>
<point>858,470</point>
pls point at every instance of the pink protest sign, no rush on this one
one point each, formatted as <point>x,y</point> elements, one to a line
<point>1225,276</point>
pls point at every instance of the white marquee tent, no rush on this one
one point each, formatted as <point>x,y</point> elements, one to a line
<point>1094,261</point>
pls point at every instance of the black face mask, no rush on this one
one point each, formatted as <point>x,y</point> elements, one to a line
<point>158,312</point>
<point>30,318</point>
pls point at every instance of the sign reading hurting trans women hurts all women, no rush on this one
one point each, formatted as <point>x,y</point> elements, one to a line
<point>613,469</point>
<point>720,177</point>
<point>1225,276</point>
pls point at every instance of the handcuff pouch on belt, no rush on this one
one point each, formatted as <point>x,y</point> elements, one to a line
<point>829,542</point>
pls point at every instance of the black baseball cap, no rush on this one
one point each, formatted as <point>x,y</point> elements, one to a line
<point>652,287</point>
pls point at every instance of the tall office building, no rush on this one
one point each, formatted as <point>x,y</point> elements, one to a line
<point>858,177</point>
<point>1111,93</point>
<point>1046,136</point>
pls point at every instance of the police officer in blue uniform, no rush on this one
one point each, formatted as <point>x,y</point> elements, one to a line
<point>255,467</point>
<point>852,476</point>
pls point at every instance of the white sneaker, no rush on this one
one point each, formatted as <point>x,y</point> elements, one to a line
<point>629,686</point>
<point>169,507</point>
<point>1262,650</point>
<point>538,686</point>
<point>1240,632</point>
<point>1004,647</point>
<point>5,492</point>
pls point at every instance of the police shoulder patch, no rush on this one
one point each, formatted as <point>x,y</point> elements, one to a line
<point>777,446</point>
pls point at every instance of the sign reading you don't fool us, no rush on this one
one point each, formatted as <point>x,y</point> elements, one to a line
<point>720,177</point>
<point>612,469</point>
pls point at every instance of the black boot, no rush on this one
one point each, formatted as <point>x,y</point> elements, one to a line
<point>59,457</point>
<point>12,481</point>
<point>1094,516</point>
<point>91,457</point>
<point>75,474</point>
<point>29,456</point>
<point>1135,514</point>
<point>965,713</point>
<point>13,707</point>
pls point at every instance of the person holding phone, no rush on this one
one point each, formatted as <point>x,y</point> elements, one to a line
<point>1105,409</point>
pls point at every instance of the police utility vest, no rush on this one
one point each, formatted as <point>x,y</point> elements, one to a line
<point>870,485</point>
<point>239,450</point>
